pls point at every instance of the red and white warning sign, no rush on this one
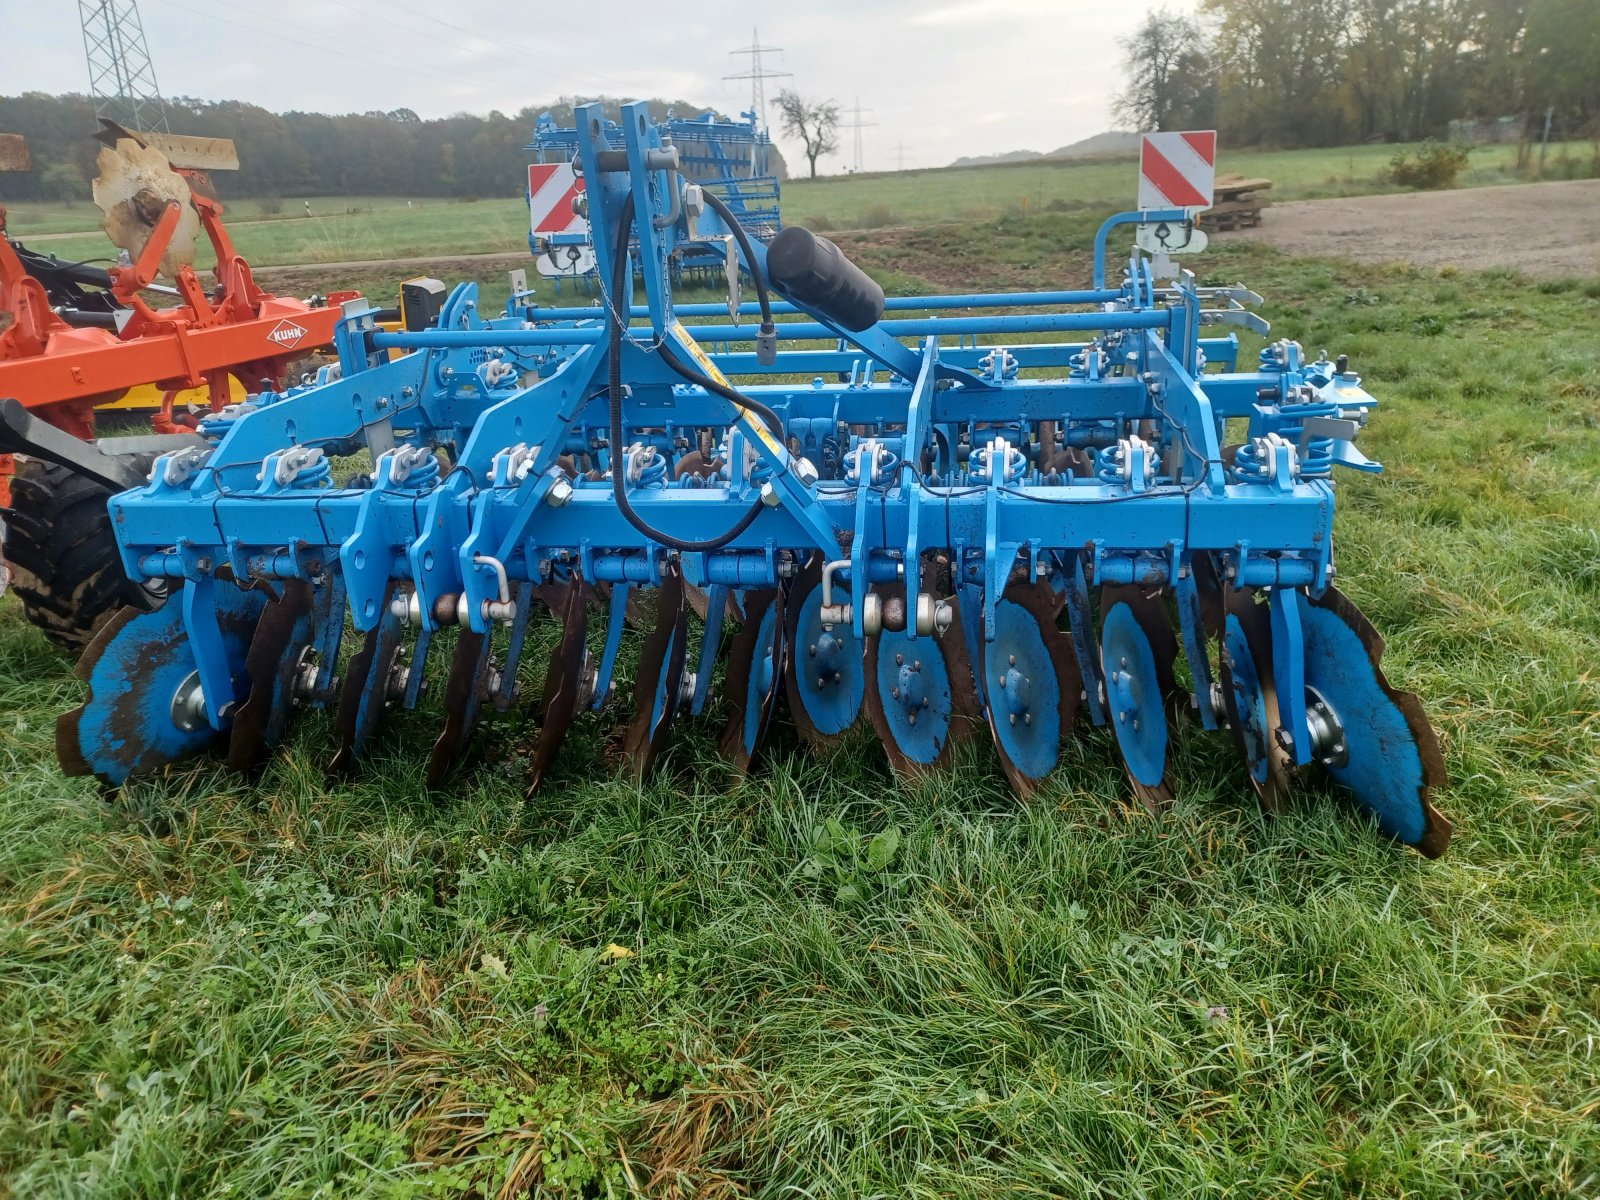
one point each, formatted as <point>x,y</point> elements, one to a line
<point>552,187</point>
<point>1177,170</point>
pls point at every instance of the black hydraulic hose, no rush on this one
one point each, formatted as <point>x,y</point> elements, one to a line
<point>739,235</point>
<point>81,319</point>
<point>620,301</point>
<point>768,418</point>
<point>699,379</point>
<point>63,268</point>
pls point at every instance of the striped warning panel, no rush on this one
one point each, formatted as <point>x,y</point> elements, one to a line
<point>552,187</point>
<point>1177,170</point>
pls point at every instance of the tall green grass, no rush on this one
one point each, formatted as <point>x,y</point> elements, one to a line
<point>220,987</point>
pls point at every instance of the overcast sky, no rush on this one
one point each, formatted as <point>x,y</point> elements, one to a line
<point>944,78</point>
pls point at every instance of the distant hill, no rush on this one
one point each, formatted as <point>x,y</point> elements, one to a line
<point>1102,145</point>
<point>989,160</point>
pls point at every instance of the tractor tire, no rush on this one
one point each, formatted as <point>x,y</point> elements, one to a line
<point>64,563</point>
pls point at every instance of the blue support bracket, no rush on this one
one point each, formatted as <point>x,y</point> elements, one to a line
<point>1194,640</point>
<point>1076,593</point>
<point>210,653</point>
<point>1289,671</point>
<point>616,620</point>
<point>716,617</point>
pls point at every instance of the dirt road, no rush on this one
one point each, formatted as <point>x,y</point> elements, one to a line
<point>1546,229</point>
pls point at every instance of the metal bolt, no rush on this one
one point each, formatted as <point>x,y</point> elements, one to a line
<point>1013,718</point>
<point>895,692</point>
<point>1011,660</point>
<point>188,707</point>
<point>1027,718</point>
<point>912,718</point>
<point>1136,724</point>
<point>899,660</point>
<point>813,649</point>
<point>837,676</point>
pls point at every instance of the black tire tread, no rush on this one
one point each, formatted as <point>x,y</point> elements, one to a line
<point>65,568</point>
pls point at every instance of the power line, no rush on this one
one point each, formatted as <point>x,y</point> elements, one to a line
<point>347,52</point>
<point>565,61</point>
<point>901,157</point>
<point>857,124</point>
<point>758,74</point>
<point>376,57</point>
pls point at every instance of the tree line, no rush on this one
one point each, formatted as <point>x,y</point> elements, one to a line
<point>393,153</point>
<point>1332,72</point>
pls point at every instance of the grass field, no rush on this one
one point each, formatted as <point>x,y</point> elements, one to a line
<point>917,197</point>
<point>370,231</point>
<point>30,218</point>
<point>820,982</point>
<point>355,229</point>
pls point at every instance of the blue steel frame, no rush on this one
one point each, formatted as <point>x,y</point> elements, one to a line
<point>731,157</point>
<point>924,441</point>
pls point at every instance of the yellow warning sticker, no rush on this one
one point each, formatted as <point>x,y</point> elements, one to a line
<point>700,356</point>
<point>752,424</point>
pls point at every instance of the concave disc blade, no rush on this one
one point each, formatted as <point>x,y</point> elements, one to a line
<point>563,681</point>
<point>752,676</point>
<point>660,674</point>
<point>1250,696</point>
<point>825,672</point>
<point>1157,620</point>
<point>464,691</point>
<point>364,694</point>
<point>1031,684</point>
<point>135,666</point>
<point>1394,761</point>
<point>1131,657</point>
<point>911,692</point>
<point>282,634</point>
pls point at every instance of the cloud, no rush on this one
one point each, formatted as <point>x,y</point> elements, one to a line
<point>940,76</point>
<point>968,12</point>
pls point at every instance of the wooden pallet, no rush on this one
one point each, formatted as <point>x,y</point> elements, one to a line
<point>1238,203</point>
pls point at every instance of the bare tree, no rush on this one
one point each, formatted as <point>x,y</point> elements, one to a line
<point>815,124</point>
<point>1167,73</point>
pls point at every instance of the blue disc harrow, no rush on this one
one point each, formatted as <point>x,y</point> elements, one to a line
<point>1032,513</point>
